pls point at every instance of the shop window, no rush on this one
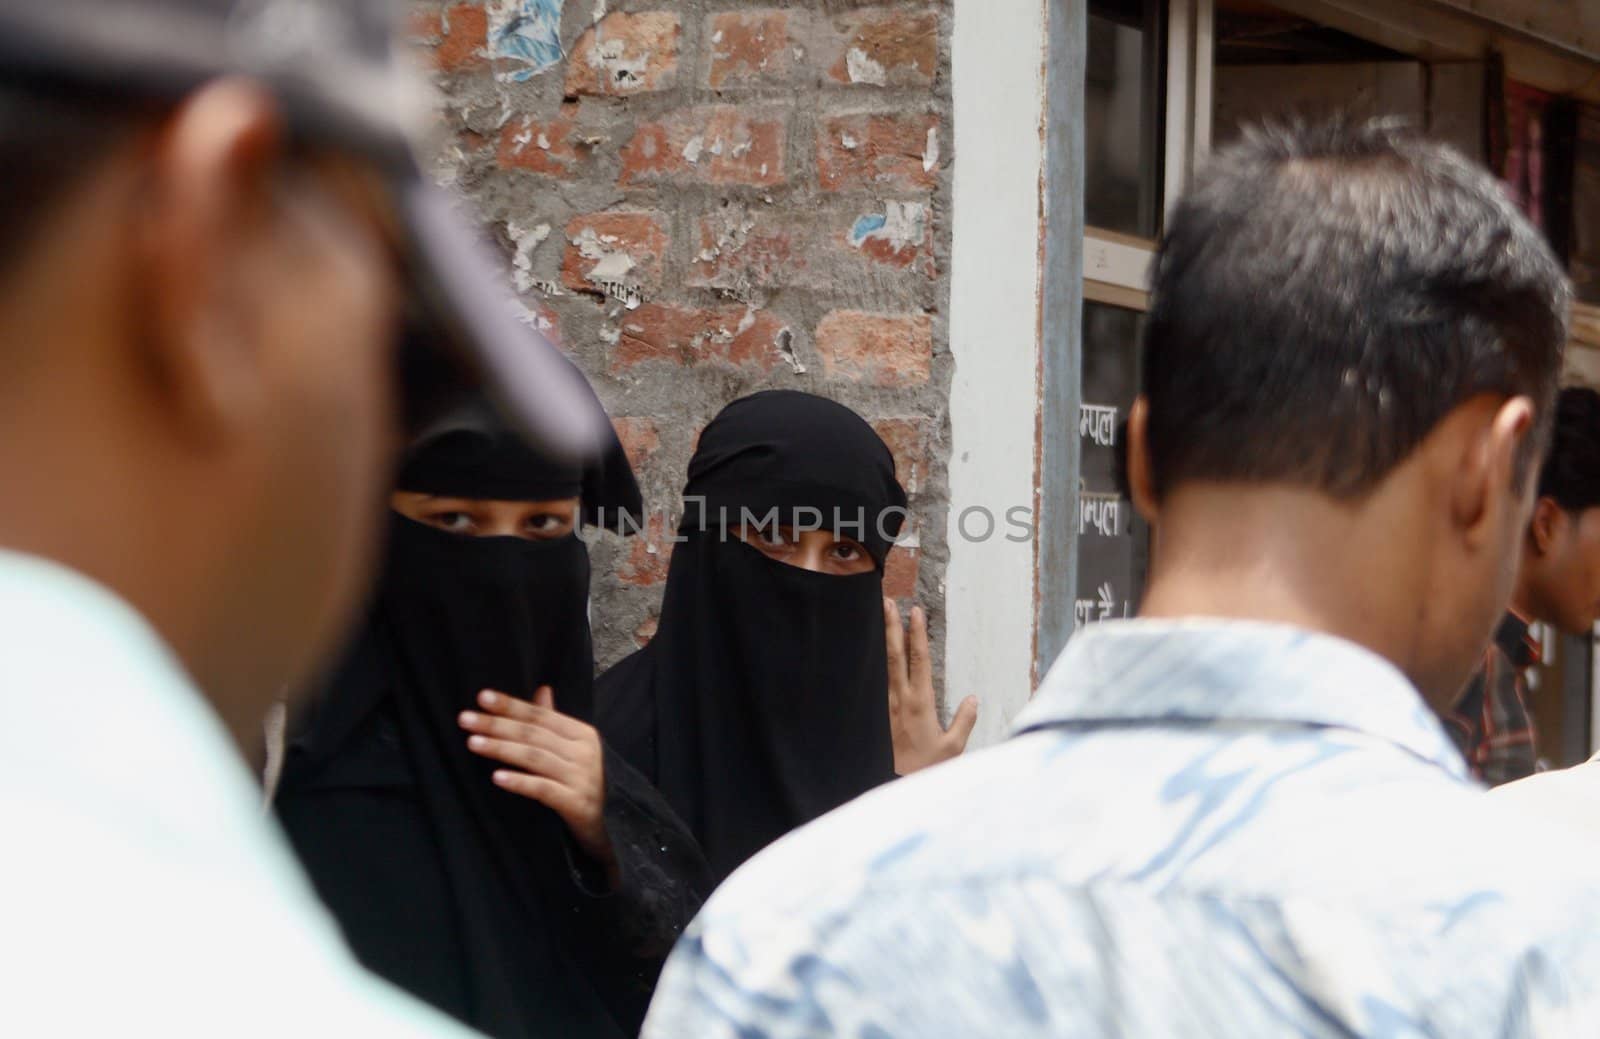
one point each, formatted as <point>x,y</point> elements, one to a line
<point>1122,117</point>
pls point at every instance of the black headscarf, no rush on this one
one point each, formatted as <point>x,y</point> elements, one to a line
<point>761,702</point>
<point>452,888</point>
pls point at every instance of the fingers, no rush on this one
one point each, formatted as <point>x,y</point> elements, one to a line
<point>962,724</point>
<point>895,646</point>
<point>545,697</point>
<point>520,732</point>
<point>563,800</point>
<point>536,760</point>
<point>920,664</point>
<point>535,713</point>
<point>894,635</point>
<point>584,814</point>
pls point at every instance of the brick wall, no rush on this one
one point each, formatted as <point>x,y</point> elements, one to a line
<point>703,198</point>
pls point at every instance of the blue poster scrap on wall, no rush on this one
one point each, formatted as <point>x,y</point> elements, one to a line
<point>527,34</point>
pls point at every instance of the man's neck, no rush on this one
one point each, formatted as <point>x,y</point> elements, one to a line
<point>1523,601</point>
<point>95,505</point>
<point>1291,556</point>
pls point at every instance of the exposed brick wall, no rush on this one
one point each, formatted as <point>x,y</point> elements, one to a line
<point>703,198</point>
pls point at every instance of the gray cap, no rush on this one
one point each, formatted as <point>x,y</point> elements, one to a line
<point>343,83</point>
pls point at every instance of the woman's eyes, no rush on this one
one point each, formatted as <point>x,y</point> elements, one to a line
<point>775,537</point>
<point>454,522</point>
<point>848,551</point>
<point>545,523</point>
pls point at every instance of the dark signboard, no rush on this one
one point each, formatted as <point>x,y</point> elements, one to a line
<point>1113,542</point>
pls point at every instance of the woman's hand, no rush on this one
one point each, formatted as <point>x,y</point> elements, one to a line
<point>554,759</point>
<point>919,740</point>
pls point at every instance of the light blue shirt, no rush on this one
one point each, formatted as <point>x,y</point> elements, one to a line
<point>1200,829</point>
<point>142,891</point>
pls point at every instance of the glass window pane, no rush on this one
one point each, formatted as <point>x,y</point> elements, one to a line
<point>1122,124</point>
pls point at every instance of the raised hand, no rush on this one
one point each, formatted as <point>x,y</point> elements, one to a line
<point>919,739</point>
<point>554,759</point>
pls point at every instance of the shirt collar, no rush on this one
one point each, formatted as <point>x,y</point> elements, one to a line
<point>1516,641</point>
<point>1204,670</point>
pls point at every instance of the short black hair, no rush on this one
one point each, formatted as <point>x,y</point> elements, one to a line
<point>1571,471</point>
<point>50,140</point>
<point>1326,294</point>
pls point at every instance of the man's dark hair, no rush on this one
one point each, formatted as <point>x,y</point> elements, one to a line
<point>50,139</point>
<point>1571,472</point>
<point>1326,294</point>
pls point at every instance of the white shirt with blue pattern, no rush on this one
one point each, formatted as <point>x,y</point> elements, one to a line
<point>1201,828</point>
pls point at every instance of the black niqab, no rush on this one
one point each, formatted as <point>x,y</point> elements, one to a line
<point>467,895</point>
<point>761,702</point>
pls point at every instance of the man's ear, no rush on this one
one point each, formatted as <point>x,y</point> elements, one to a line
<point>1487,465</point>
<point>1547,527</point>
<point>208,201</point>
<point>1141,481</point>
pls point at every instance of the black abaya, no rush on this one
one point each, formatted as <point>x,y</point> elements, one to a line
<point>471,897</point>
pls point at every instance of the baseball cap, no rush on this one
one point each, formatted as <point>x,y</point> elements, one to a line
<point>344,83</point>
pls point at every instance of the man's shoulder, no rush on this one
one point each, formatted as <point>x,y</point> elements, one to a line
<point>1257,817</point>
<point>1568,797</point>
<point>889,832</point>
<point>985,881</point>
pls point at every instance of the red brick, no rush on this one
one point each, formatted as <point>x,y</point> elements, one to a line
<point>880,349</point>
<point>739,337</point>
<point>900,573</point>
<point>908,440</point>
<point>718,144</point>
<point>543,146</point>
<point>878,152</point>
<point>646,631</point>
<point>884,47</point>
<point>739,249</point>
<point>640,437</point>
<point>749,47</point>
<point>625,54</point>
<point>458,35</point>
<point>649,556</point>
<point>607,251</point>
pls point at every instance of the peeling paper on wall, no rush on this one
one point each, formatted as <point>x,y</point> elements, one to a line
<point>611,268</point>
<point>526,33</point>
<point>526,240</point>
<point>863,69</point>
<point>901,224</point>
<point>629,295</point>
<point>930,153</point>
<point>785,345</point>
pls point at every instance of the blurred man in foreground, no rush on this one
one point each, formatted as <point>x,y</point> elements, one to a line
<point>1558,583</point>
<point>210,221</point>
<point>1237,815</point>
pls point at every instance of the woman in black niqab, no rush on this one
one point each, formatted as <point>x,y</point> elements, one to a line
<point>472,897</point>
<point>761,702</point>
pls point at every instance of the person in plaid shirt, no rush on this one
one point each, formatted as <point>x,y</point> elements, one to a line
<point>1558,583</point>
<point>1491,722</point>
